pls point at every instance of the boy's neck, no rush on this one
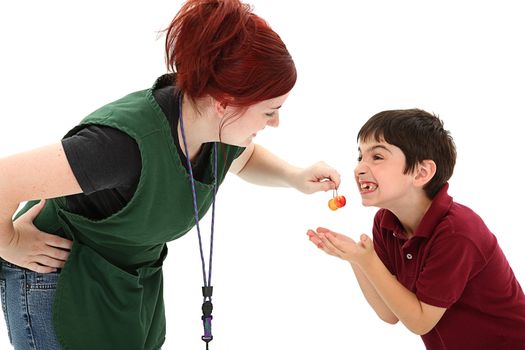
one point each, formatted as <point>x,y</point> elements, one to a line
<point>411,214</point>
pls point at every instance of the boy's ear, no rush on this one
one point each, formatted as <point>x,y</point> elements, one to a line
<point>425,172</point>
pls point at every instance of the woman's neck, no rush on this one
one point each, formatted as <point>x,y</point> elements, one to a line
<point>199,128</point>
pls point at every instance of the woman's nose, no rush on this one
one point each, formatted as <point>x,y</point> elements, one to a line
<point>274,122</point>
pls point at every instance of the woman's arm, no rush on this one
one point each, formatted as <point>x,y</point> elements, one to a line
<point>259,166</point>
<point>36,174</point>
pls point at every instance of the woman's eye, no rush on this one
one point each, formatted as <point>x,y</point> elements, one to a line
<point>269,114</point>
<point>359,158</point>
<point>378,157</point>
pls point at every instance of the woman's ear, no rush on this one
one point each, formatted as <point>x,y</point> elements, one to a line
<point>425,172</point>
<point>220,108</point>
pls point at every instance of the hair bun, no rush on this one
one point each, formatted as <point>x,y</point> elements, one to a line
<point>220,48</point>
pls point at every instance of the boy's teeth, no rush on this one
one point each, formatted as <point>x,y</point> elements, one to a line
<point>367,186</point>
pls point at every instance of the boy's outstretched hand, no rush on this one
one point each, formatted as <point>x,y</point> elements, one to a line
<point>342,246</point>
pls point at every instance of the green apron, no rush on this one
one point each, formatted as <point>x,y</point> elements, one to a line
<point>109,294</point>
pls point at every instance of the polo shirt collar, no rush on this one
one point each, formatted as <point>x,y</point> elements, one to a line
<point>438,209</point>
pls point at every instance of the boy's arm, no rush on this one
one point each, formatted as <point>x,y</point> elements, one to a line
<point>373,299</point>
<point>417,316</point>
<point>369,292</point>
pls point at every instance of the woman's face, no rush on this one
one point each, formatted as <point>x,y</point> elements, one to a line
<point>240,129</point>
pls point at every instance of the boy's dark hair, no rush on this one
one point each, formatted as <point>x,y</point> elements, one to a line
<point>420,135</point>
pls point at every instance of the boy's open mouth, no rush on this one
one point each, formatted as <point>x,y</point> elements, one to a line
<point>366,187</point>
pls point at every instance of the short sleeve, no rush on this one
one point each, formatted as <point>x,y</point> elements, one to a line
<point>103,158</point>
<point>452,261</point>
<point>380,245</point>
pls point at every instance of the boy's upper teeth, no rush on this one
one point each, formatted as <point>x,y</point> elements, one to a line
<point>368,186</point>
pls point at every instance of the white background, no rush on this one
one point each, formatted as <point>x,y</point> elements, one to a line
<point>274,290</point>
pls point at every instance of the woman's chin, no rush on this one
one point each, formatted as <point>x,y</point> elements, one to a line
<point>244,143</point>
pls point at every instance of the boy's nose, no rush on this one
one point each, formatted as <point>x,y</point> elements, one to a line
<point>360,169</point>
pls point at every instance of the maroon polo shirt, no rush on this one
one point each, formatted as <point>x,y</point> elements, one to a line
<point>454,261</point>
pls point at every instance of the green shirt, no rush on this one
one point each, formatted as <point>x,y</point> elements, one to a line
<point>109,294</point>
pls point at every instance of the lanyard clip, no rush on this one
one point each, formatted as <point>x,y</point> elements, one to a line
<point>207,308</point>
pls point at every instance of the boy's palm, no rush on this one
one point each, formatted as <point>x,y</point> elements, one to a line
<point>341,246</point>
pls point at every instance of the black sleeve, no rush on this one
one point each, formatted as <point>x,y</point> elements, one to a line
<point>103,158</point>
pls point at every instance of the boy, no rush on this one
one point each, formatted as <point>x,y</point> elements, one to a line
<point>432,264</point>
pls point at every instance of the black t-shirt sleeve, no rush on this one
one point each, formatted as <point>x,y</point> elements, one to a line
<point>103,158</point>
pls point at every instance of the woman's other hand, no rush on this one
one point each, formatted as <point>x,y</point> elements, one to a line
<point>30,248</point>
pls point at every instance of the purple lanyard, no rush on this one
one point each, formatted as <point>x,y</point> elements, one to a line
<point>207,289</point>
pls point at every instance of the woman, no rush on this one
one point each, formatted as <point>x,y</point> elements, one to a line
<point>135,174</point>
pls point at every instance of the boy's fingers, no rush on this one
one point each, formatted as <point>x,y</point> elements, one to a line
<point>323,230</point>
<point>328,232</point>
<point>314,238</point>
<point>334,242</point>
<point>366,241</point>
<point>329,245</point>
<point>312,233</point>
<point>320,242</point>
<point>317,242</point>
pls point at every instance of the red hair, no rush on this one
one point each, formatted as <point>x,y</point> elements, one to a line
<point>221,49</point>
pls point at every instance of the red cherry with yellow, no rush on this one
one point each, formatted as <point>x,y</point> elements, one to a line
<point>337,201</point>
<point>340,201</point>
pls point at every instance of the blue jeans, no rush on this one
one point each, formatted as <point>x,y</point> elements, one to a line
<point>27,302</point>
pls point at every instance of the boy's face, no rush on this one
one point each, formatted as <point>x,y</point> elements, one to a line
<point>379,175</point>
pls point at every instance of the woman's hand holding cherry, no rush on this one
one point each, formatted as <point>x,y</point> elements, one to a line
<point>316,178</point>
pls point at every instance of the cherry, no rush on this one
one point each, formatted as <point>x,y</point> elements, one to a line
<point>340,201</point>
<point>332,205</point>
<point>337,202</point>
